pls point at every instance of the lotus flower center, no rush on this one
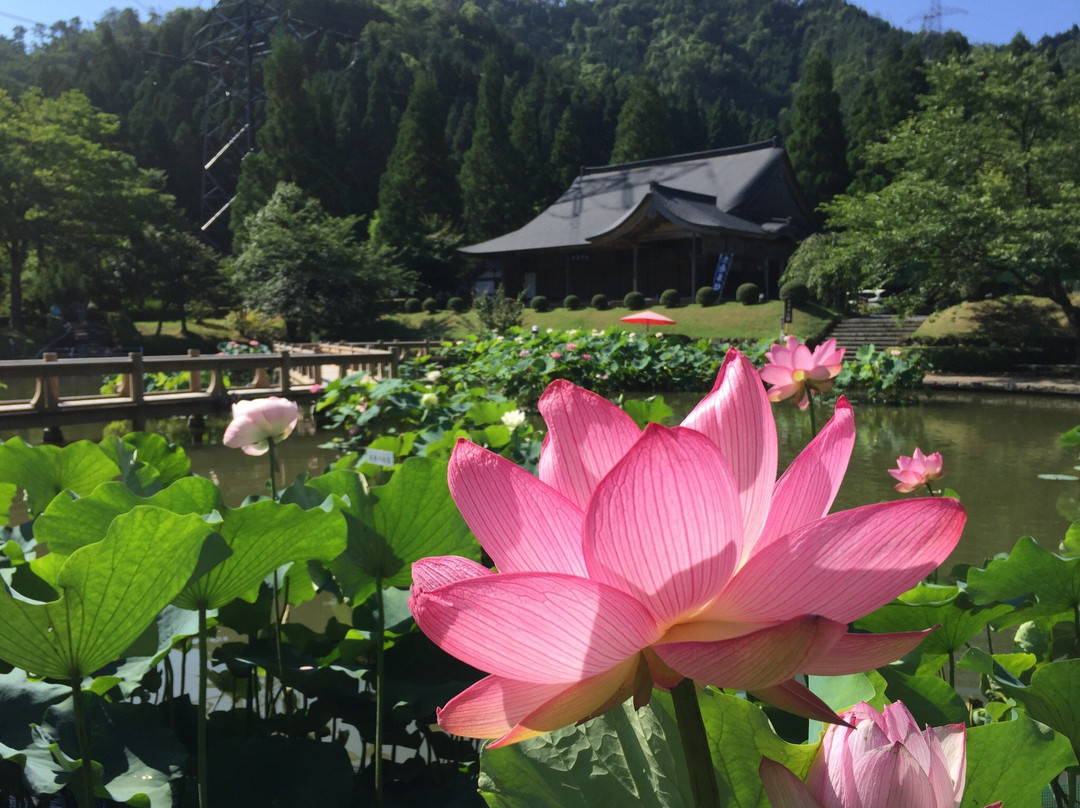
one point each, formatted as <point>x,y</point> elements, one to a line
<point>798,375</point>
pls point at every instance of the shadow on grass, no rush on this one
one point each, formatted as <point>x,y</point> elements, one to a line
<point>1014,322</point>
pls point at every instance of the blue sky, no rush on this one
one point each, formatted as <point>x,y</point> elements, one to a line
<point>993,21</point>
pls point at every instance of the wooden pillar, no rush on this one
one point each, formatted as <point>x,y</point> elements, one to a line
<point>195,385</point>
<point>137,391</point>
<point>693,266</point>
<point>635,269</point>
<point>286,369</point>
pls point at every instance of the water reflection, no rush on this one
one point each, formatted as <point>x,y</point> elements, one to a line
<point>995,446</point>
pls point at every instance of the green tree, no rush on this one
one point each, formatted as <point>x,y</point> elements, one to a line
<point>565,159</point>
<point>309,267</point>
<point>491,172</point>
<point>817,146</point>
<point>417,193</point>
<point>65,196</point>
<point>642,131</point>
<point>986,190</point>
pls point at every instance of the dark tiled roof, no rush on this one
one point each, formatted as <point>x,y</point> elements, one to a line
<point>748,190</point>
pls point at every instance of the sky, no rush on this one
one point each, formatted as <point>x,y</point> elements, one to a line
<point>981,21</point>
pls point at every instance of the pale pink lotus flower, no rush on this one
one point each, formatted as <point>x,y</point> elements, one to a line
<point>916,471</point>
<point>257,422</point>
<point>642,558</point>
<point>877,759</point>
<point>793,370</point>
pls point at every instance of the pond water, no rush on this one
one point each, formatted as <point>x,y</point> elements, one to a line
<point>995,447</point>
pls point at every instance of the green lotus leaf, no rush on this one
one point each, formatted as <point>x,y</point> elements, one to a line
<point>843,692</point>
<point>258,772</point>
<point>262,537</point>
<point>929,605</point>
<point>393,525</point>
<point>110,592</point>
<point>147,461</point>
<point>44,471</point>
<point>634,757</point>
<point>23,704</point>
<point>1049,582</point>
<point>1004,666</point>
<point>136,755</point>
<point>1012,761</point>
<point>929,698</point>
<point>68,524</point>
<point>1052,698</point>
<point>7,496</point>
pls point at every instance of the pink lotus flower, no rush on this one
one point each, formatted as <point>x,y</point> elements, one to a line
<point>642,558</point>
<point>881,759</point>
<point>916,471</point>
<point>556,355</point>
<point>793,371</point>
<point>255,423</point>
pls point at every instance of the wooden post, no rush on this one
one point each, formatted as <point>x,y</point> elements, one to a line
<point>195,385</point>
<point>47,393</point>
<point>286,370</point>
<point>138,421</point>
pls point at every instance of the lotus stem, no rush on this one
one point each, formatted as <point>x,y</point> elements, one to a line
<point>695,743</point>
<point>810,409</point>
<point>380,632</point>
<point>85,794</point>
<point>201,728</point>
<point>270,455</point>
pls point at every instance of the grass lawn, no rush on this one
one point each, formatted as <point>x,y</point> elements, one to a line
<point>729,320</point>
<point>1013,319</point>
<point>204,336</point>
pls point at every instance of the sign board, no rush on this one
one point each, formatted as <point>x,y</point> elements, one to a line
<point>378,457</point>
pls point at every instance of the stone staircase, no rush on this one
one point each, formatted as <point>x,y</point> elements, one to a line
<point>880,330</point>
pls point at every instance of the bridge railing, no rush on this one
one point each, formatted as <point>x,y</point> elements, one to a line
<point>282,373</point>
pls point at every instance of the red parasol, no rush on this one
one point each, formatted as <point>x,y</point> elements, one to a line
<point>647,317</point>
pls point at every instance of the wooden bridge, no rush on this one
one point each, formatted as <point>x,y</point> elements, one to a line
<point>292,372</point>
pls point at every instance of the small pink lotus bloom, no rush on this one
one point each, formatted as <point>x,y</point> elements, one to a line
<point>556,355</point>
<point>880,759</point>
<point>793,371</point>
<point>257,422</point>
<point>586,357</point>
<point>637,559</point>
<point>916,471</point>
<point>571,346</point>
<point>254,343</point>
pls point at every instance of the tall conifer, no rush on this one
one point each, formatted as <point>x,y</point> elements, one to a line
<point>642,131</point>
<point>817,146</point>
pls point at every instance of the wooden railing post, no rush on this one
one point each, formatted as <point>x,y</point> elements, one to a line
<point>286,370</point>
<point>195,384</point>
<point>47,392</point>
<point>137,391</point>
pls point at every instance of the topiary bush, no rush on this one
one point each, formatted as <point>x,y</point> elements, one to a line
<point>795,291</point>
<point>539,303</point>
<point>457,304</point>
<point>571,303</point>
<point>599,302</point>
<point>635,301</point>
<point>670,298</point>
<point>747,294</point>
<point>706,296</point>
<point>430,305</point>
<point>412,305</point>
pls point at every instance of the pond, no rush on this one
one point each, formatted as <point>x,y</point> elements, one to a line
<point>995,447</point>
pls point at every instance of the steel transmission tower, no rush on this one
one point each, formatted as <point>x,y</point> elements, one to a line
<point>931,19</point>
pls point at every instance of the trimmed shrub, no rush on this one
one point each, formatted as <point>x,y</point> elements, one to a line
<point>430,305</point>
<point>412,305</point>
<point>747,294</point>
<point>571,303</point>
<point>539,303</point>
<point>670,299</point>
<point>635,301</point>
<point>706,296</point>
<point>599,302</point>
<point>795,291</point>
<point>457,304</point>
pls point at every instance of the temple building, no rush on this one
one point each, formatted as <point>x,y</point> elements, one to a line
<point>728,215</point>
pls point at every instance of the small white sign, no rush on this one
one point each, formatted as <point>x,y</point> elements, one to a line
<point>378,457</point>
